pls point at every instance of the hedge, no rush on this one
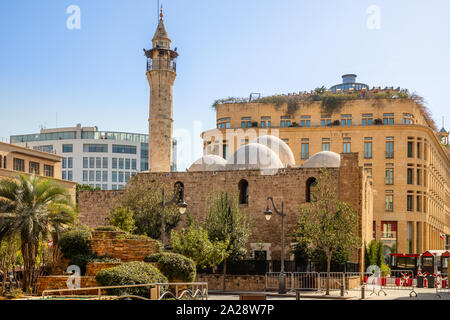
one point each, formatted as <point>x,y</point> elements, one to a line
<point>75,243</point>
<point>174,266</point>
<point>129,274</point>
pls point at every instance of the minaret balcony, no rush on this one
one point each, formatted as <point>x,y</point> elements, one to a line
<point>161,64</point>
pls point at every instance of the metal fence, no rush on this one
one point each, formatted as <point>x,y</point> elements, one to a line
<point>398,280</point>
<point>261,267</point>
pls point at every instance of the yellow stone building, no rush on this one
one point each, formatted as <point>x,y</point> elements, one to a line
<point>15,160</point>
<point>396,139</point>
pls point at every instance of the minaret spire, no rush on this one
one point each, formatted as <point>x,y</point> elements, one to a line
<point>161,74</point>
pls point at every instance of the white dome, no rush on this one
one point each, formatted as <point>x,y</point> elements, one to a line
<point>254,156</point>
<point>209,163</point>
<point>325,159</point>
<point>279,147</point>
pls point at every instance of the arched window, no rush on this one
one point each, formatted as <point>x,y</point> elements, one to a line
<point>179,187</point>
<point>243,192</point>
<point>311,183</point>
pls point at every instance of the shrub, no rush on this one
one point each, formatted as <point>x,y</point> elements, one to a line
<point>174,266</point>
<point>122,218</point>
<point>130,274</point>
<point>75,242</point>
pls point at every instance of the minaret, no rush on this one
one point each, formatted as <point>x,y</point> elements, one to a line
<point>161,74</point>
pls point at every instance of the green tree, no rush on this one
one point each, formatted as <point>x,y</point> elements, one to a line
<point>327,224</point>
<point>194,243</point>
<point>35,209</point>
<point>123,219</point>
<point>143,198</point>
<point>227,223</point>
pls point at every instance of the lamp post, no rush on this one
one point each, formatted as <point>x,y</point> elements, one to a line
<point>182,206</point>
<point>268,214</point>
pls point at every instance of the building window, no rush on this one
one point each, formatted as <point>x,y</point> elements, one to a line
<point>410,149</point>
<point>133,164</point>
<point>85,162</point>
<point>49,171</point>
<point>418,203</point>
<point>19,165</point>
<point>389,202</point>
<point>121,163</point>
<point>225,150</point>
<point>326,144</point>
<point>114,163</point>
<point>124,149</point>
<point>70,175</point>
<point>410,203</point>
<point>388,118</point>
<point>409,176</point>
<point>305,121</point>
<point>127,164</point>
<point>105,176</point>
<point>105,163</point>
<point>91,176</point>
<point>91,163</point>
<point>347,145</point>
<point>64,175</point>
<point>368,148</point>
<point>311,183</point>
<point>246,122</point>
<point>346,120</point>
<point>67,148</point>
<point>389,230</point>
<point>114,187</point>
<point>389,148</point>
<point>114,176</point>
<point>305,150</point>
<point>34,167</point>
<point>418,177</point>
<point>389,177</point>
<point>70,163</point>
<point>285,122</point>
<point>367,119</point>
<point>85,176</point>
<point>224,123</point>
<point>64,163</point>
<point>121,176</point>
<point>98,163</point>
<point>418,150</point>
<point>266,122</point>
<point>127,177</point>
<point>95,148</point>
<point>243,192</point>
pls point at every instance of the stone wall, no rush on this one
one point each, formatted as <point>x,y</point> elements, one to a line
<point>95,207</point>
<point>233,282</point>
<point>92,268</point>
<point>124,249</point>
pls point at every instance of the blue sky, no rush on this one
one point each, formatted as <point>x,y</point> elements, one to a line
<point>96,75</point>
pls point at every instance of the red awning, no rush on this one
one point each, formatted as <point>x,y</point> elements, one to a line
<point>446,254</point>
<point>428,254</point>
<point>402,255</point>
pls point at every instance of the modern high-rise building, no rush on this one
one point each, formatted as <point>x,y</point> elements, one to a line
<point>101,159</point>
<point>398,143</point>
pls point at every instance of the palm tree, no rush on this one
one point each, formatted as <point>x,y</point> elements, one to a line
<point>33,209</point>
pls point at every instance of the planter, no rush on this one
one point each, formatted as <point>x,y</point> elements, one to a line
<point>431,282</point>
<point>420,282</point>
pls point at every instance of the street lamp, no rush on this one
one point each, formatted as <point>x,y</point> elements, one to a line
<point>182,206</point>
<point>268,214</point>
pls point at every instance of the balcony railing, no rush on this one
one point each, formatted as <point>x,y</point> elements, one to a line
<point>161,64</point>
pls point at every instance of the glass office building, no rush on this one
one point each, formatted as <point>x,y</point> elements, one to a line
<point>101,159</point>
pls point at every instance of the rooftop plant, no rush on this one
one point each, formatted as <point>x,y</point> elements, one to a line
<point>332,102</point>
